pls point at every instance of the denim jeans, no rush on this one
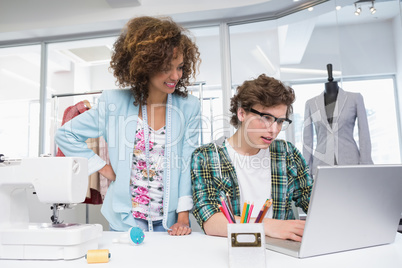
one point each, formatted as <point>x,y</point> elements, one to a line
<point>143,224</point>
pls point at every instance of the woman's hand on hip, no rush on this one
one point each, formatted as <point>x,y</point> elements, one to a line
<point>108,172</point>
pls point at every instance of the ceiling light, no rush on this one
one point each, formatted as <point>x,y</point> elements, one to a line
<point>338,8</point>
<point>372,8</point>
<point>358,10</point>
<point>359,3</point>
<point>310,9</point>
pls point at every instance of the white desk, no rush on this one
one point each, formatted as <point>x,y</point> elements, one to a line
<point>199,250</point>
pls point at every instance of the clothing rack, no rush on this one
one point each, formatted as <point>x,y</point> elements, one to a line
<point>197,85</point>
<point>75,94</point>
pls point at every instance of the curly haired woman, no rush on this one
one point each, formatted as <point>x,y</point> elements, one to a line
<point>151,128</point>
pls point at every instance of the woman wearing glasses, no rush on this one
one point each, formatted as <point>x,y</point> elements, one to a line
<point>252,166</point>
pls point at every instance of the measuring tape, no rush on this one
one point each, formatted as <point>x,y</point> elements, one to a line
<point>168,150</point>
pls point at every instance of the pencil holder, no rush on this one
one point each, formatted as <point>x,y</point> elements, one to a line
<point>246,245</point>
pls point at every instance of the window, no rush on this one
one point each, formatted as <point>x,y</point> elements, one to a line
<point>380,101</point>
<point>19,103</point>
<point>208,85</point>
<point>76,68</point>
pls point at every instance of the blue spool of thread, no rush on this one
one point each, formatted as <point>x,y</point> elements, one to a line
<point>136,235</point>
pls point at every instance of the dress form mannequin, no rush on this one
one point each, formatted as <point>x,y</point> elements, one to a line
<point>329,122</point>
<point>330,95</point>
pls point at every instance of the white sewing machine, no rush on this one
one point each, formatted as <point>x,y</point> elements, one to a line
<point>60,181</point>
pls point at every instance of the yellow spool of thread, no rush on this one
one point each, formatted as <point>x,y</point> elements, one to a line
<point>97,256</point>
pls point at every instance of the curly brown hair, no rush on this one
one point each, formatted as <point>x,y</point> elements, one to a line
<point>145,47</point>
<point>266,91</point>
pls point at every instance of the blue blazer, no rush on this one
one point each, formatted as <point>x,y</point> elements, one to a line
<point>115,118</point>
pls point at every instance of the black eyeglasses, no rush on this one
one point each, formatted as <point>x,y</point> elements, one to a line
<point>269,119</point>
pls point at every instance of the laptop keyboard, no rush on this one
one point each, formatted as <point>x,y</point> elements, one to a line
<point>289,244</point>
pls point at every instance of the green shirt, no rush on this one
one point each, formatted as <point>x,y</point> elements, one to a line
<point>289,174</point>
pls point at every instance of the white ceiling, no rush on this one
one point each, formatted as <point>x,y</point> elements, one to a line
<point>22,20</point>
<point>36,20</point>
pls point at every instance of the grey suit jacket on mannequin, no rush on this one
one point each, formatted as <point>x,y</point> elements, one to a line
<point>336,145</point>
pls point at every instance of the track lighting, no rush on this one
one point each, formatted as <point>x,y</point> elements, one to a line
<point>359,3</point>
<point>372,9</point>
<point>358,10</point>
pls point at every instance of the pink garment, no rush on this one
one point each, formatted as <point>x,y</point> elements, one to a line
<point>70,113</point>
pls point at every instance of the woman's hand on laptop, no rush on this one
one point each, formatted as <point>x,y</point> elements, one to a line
<point>284,229</point>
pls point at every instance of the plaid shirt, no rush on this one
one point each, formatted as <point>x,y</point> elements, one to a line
<point>289,174</point>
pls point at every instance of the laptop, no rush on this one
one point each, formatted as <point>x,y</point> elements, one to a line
<point>351,207</point>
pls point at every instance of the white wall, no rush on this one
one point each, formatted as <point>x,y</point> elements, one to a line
<point>397,30</point>
<point>355,50</point>
<point>208,43</point>
<point>253,53</point>
<point>367,49</point>
<point>101,78</point>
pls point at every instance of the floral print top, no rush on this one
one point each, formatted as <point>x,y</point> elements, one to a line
<point>147,196</point>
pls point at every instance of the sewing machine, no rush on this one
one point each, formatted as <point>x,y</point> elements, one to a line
<point>59,181</point>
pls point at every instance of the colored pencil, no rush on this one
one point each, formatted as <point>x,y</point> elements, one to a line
<point>268,204</point>
<point>226,216</point>
<point>221,209</point>
<point>223,199</point>
<point>226,212</point>
<point>259,214</point>
<point>250,211</point>
<point>246,215</point>
<point>243,213</point>
<point>229,203</point>
<point>230,213</point>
